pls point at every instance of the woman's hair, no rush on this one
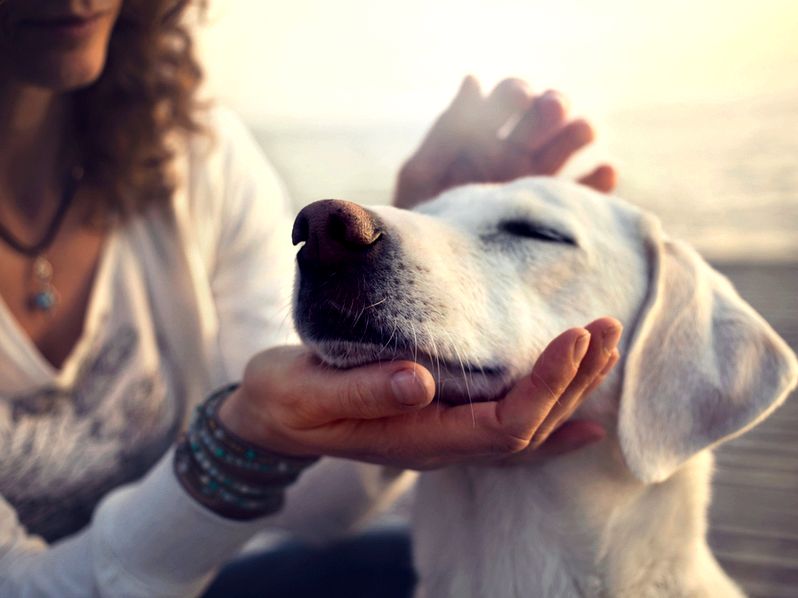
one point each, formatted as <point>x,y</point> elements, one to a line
<point>147,92</point>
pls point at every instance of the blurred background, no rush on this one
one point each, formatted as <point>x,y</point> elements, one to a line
<point>696,102</point>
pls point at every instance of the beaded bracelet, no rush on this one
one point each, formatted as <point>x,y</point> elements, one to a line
<point>231,476</point>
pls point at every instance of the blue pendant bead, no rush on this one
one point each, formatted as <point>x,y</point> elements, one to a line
<point>43,300</point>
<point>44,296</point>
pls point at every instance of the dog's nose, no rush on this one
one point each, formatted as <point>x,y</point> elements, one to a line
<point>335,232</point>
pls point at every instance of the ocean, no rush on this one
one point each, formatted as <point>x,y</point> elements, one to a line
<point>723,175</point>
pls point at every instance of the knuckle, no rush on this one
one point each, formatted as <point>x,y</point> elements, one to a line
<point>505,437</point>
<point>358,395</point>
<point>298,414</point>
<point>510,443</point>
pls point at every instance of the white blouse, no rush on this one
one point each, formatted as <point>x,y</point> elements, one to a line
<point>182,299</point>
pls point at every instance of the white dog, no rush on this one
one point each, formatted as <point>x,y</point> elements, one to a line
<point>473,285</point>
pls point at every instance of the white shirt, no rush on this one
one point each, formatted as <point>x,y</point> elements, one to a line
<point>182,299</point>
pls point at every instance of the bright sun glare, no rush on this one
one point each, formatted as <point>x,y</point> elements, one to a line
<point>377,60</point>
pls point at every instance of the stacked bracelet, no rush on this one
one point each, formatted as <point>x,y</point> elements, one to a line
<point>232,477</point>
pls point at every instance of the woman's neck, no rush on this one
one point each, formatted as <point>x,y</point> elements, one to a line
<point>32,158</point>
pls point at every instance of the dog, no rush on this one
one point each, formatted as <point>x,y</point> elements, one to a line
<point>473,285</point>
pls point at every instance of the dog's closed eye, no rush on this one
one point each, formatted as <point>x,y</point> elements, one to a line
<point>532,230</point>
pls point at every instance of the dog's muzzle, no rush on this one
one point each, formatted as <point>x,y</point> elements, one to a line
<point>347,260</point>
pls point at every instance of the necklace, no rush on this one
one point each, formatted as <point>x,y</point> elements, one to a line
<point>45,296</point>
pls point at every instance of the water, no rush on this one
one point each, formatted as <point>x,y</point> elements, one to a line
<point>723,176</point>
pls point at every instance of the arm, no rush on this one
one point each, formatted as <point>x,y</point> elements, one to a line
<point>143,541</point>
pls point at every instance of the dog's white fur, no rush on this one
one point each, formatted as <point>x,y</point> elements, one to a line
<point>626,517</point>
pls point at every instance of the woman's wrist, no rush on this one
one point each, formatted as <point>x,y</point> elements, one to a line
<point>228,474</point>
<point>235,416</point>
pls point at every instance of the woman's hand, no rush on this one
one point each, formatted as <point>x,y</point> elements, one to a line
<point>290,403</point>
<point>467,144</point>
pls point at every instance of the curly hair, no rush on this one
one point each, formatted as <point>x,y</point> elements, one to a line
<point>146,92</point>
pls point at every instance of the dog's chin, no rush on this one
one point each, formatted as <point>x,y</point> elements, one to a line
<point>456,383</point>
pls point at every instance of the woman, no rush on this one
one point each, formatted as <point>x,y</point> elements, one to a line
<point>143,264</point>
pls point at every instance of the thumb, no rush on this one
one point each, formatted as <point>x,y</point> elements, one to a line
<point>375,391</point>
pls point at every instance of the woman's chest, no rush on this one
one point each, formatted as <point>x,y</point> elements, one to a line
<point>48,295</point>
<point>102,419</point>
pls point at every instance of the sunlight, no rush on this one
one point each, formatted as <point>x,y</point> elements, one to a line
<point>359,60</point>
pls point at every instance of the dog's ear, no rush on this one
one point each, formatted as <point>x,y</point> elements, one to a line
<point>702,365</point>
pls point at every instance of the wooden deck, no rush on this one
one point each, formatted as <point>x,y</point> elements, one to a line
<point>754,514</point>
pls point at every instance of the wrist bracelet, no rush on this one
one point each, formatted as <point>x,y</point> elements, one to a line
<point>232,477</point>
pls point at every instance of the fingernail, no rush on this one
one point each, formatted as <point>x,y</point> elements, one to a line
<point>610,338</point>
<point>580,348</point>
<point>408,388</point>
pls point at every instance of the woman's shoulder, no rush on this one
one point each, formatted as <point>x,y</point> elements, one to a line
<point>224,173</point>
<point>227,152</point>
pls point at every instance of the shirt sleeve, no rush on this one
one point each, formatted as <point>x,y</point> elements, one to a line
<point>146,539</point>
<point>151,538</point>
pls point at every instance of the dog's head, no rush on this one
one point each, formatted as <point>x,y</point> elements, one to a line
<point>475,283</point>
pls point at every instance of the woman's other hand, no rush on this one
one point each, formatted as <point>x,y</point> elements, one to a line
<point>467,144</point>
<point>290,403</point>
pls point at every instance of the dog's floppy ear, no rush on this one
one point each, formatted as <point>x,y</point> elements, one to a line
<point>702,365</point>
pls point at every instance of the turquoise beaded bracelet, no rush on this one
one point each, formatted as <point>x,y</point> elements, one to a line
<point>232,477</point>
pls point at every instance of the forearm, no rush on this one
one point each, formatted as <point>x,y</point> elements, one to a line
<point>147,539</point>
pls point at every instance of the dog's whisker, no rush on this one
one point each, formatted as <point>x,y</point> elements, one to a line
<point>388,342</point>
<point>285,310</point>
<point>459,357</point>
<point>415,342</point>
<point>363,309</point>
<point>365,329</point>
<point>436,360</point>
<point>375,304</point>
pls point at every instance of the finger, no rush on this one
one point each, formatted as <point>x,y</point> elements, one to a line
<point>483,149</point>
<point>603,178</point>
<point>565,143</point>
<point>605,333</point>
<point>569,437</point>
<point>507,99</point>
<point>368,392</point>
<point>538,124</point>
<point>445,139</point>
<point>603,374</point>
<point>530,401</point>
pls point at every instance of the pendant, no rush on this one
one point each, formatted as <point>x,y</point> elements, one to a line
<point>45,298</point>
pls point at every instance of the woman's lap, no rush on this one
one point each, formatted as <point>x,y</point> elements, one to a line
<point>372,565</point>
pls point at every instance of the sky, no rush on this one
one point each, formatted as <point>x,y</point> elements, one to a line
<point>377,61</point>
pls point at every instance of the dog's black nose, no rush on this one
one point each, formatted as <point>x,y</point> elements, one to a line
<point>335,232</point>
